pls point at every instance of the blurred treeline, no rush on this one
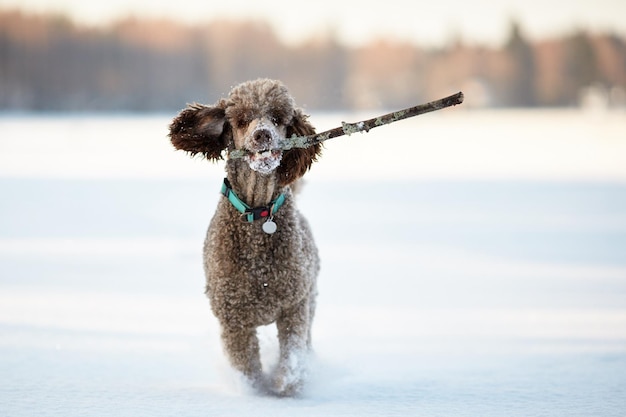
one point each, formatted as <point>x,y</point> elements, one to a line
<point>49,63</point>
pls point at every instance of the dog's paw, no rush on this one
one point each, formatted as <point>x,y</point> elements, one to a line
<point>286,387</point>
<point>288,378</point>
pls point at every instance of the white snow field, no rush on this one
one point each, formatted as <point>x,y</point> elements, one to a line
<point>473,264</point>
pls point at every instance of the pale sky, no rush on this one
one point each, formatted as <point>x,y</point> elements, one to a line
<point>357,22</point>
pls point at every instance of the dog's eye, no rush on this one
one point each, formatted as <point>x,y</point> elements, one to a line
<point>241,123</point>
<point>276,119</point>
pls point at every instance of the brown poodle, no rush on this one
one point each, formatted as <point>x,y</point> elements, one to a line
<point>260,259</point>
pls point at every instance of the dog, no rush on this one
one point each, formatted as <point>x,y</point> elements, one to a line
<point>260,259</point>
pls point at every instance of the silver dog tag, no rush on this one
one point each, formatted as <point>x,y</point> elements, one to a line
<point>269,227</point>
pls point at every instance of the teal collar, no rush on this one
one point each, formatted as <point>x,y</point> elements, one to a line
<point>251,213</point>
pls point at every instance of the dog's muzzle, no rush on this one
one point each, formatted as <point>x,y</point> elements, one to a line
<point>264,162</point>
<point>264,157</point>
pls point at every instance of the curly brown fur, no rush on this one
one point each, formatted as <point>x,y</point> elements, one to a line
<point>296,162</point>
<point>200,129</point>
<point>253,278</point>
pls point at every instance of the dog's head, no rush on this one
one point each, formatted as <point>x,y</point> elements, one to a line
<point>257,116</point>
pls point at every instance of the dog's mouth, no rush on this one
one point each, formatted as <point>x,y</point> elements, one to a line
<point>264,161</point>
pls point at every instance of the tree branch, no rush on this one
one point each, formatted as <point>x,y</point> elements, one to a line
<point>363,126</point>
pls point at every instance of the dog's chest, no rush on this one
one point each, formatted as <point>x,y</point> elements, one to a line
<point>247,259</point>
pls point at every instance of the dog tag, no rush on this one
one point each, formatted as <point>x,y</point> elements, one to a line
<point>269,227</point>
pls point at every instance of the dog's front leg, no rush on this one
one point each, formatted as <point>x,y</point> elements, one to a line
<point>242,347</point>
<point>293,336</point>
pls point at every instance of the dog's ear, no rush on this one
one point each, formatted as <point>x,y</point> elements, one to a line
<point>200,129</point>
<point>296,162</point>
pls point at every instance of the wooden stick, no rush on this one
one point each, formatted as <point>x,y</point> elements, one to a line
<point>363,126</point>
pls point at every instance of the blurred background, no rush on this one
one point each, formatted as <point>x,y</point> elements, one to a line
<point>473,259</point>
<point>138,55</point>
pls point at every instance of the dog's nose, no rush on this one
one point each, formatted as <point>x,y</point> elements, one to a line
<point>262,137</point>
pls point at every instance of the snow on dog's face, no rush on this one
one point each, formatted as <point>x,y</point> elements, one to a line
<point>262,138</point>
<point>259,115</point>
<point>256,117</point>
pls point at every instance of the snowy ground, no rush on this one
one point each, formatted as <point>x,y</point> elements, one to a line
<point>474,264</point>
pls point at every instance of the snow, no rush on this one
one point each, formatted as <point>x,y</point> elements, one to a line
<point>473,274</point>
<point>264,162</point>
